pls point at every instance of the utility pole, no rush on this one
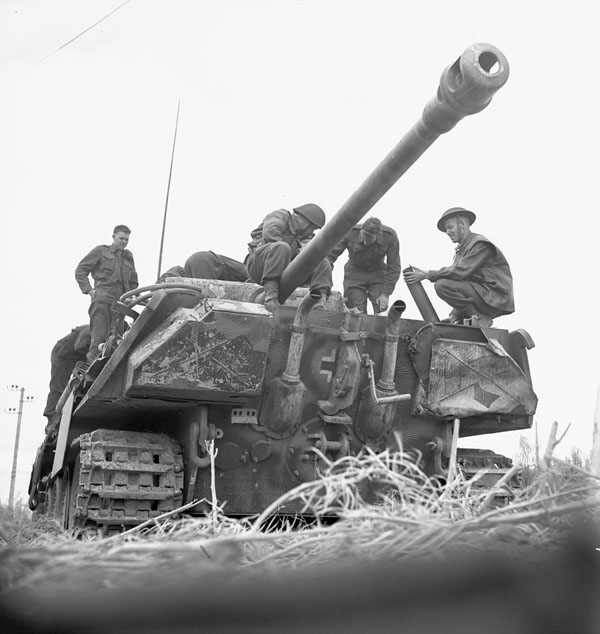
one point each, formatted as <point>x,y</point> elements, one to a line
<point>19,413</point>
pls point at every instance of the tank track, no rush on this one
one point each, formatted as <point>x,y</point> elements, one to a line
<point>125,478</point>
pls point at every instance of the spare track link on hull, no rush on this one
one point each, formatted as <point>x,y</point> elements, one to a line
<point>126,478</point>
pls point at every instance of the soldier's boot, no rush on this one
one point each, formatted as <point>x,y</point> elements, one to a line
<point>453,318</point>
<point>320,303</point>
<point>271,298</point>
<point>481,321</point>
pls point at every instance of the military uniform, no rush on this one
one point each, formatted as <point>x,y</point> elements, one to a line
<point>479,278</point>
<point>65,354</point>
<point>372,269</point>
<point>213,266</point>
<point>174,271</point>
<point>274,245</point>
<point>113,272</point>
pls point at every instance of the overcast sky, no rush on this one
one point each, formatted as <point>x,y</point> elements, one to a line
<point>285,102</point>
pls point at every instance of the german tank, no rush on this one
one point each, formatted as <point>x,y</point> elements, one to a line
<point>191,361</point>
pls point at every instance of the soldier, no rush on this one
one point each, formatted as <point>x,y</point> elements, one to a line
<point>207,265</point>
<point>277,241</point>
<point>373,266</point>
<point>478,285</point>
<point>113,271</point>
<point>65,354</point>
<point>174,271</point>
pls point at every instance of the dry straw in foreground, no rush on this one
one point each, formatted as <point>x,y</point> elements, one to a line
<point>391,519</point>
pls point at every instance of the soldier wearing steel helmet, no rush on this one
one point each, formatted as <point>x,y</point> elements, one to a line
<point>277,241</point>
<point>478,285</point>
<point>373,267</point>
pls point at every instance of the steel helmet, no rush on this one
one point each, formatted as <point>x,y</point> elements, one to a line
<point>455,211</point>
<point>312,212</point>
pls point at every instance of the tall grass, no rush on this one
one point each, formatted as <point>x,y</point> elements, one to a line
<point>384,506</point>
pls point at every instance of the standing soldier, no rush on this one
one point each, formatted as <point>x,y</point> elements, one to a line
<point>277,241</point>
<point>113,271</point>
<point>478,285</point>
<point>373,266</point>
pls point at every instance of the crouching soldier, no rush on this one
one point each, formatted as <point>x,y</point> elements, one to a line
<point>277,241</point>
<point>478,284</point>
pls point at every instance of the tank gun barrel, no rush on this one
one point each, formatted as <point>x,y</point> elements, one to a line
<point>466,87</point>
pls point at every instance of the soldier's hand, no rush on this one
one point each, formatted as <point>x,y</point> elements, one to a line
<point>92,294</point>
<point>383,302</point>
<point>414,275</point>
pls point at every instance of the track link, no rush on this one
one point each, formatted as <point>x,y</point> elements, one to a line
<point>125,477</point>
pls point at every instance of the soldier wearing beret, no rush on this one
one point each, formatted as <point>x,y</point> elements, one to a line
<point>478,285</point>
<point>373,266</point>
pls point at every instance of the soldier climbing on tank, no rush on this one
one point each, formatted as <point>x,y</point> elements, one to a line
<point>478,285</point>
<point>207,265</point>
<point>373,267</point>
<point>277,241</point>
<point>63,358</point>
<point>113,271</point>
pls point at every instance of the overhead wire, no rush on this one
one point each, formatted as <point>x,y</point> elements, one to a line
<point>83,32</point>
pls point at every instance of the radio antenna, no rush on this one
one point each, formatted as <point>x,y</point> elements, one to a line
<point>162,237</point>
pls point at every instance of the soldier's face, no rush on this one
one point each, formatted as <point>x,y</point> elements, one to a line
<point>304,226</point>
<point>120,239</point>
<point>456,229</point>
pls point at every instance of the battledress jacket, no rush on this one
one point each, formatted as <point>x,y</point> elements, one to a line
<point>482,264</point>
<point>382,255</point>
<point>112,270</point>
<point>74,345</point>
<point>276,227</point>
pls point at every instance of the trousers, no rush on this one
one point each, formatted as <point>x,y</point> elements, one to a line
<point>360,286</point>
<point>100,319</point>
<point>60,373</point>
<point>463,298</point>
<point>268,261</point>
<point>212,266</point>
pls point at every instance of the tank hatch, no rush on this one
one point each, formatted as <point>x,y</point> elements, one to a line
<point>214,352</point>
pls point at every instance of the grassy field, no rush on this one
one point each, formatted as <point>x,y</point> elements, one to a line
<point>402,546</point>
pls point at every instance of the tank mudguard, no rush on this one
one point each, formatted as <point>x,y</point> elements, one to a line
<point>461,379</point>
